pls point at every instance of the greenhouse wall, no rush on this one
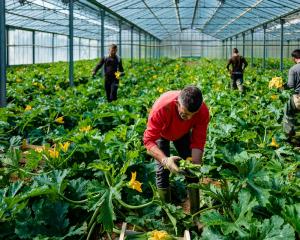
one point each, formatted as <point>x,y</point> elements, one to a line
<point>29,47</point>
<point>192,43</point>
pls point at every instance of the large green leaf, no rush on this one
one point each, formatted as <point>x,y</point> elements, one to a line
<point>107,215</point>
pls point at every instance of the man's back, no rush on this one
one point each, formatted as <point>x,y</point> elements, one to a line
<point>237,63</point>
<point>294,78</point>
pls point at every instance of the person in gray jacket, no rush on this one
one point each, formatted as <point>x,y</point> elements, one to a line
<point>291,118</point>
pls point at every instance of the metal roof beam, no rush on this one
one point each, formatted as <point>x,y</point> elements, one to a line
<point>195,12</point>
<point>270,21</point>
<point>178,14</point>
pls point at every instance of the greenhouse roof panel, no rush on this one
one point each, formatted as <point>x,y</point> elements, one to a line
<point>161,18</point>
<point>218,18</point>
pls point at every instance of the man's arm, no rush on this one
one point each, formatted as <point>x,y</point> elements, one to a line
<point>152,133</point>
<point>197,155</point>
<point>98,66</point>
<point>121,69</point>
<point>228,64</point>
<point>198,138</point>
<point>245,64</point>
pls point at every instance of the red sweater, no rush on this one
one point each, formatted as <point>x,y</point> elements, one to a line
<point>164,121</point>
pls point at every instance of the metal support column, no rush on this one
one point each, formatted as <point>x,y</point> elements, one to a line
<point>288,49</point>
<point>231,45</point>
<point>33,47</point>
<point>281,44</point>
<point>102,37</point>
<point>131,46</point>
<point>102,33</point>
<point>252,50</point>
<point>145,39</point>
<point>265,47</point>
<point>52,47</point>
<point>223,50</point>
<point>120,38</point>
<point>71,62</point>
<point>236,40</point>
<point>140,47</point>
<point>7,46</point>
<point>159,49</point>
<point>244,41</point>
<point>2,55</point>
<point>150,48</point>
<point>226,50</point>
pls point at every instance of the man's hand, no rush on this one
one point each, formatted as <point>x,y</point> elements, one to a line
<point>170,163</point>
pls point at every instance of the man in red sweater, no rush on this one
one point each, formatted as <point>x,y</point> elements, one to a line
<point>181,117</point>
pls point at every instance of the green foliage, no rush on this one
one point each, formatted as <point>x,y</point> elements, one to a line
<point>85,189</point>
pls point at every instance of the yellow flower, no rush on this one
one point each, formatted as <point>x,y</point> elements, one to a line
<point>53,153</point>
<point>34,83</point>
<point>276,82</point>
<point>39,149</point>
<point>158,235</point>
<point>65,146</point>
<point>274,97</point>
<point>28,107</point>
<point>160,90</point>
<point>56,87</point>
<point>154,76</point>
<point>60,120</point>
<point>41,86</point>
<point>118,74</point>
<point>134,184</point>
<point>18,80</point>
<point>274,143</point>
<point>85,129</point>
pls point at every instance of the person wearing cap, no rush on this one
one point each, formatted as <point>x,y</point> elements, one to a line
<point>180,117</point>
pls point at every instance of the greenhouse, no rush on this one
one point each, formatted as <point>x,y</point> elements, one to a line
<point>150,119</point>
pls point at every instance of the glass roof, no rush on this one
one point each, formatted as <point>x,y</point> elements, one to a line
<point>161,18</point>
<point>218,18</point>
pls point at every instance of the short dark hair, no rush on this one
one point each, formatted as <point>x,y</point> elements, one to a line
<point>113,46</point>
<point>296,53</point>
<point>191,98</point>
<point>235,50</point>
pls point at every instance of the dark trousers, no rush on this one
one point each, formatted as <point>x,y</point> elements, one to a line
<point>236,80</point>
<point>182,146</point>
<point>111,89</point>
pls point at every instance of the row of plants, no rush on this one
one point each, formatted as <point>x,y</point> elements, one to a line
<point>74,167</point>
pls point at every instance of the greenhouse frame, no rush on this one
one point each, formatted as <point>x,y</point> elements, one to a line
<point>150,119</point>
<point>48,31</point>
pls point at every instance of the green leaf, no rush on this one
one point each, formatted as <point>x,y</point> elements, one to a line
<point>107,215</point>
<point>275,229</point>
<point>291,214</point>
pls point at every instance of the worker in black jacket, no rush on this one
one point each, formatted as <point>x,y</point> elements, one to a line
<point>113,69</point>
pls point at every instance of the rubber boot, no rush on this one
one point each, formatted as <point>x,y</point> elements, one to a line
<point>164,194</point>
<point>194,198</point>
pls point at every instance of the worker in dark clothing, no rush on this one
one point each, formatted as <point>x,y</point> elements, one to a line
<point>239,64</point>
<point>113,69</point>
<point>291,122</point>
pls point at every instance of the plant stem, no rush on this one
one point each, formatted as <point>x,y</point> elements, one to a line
<point>206,209</point>
<point>94,216</point>
<point>73,201</point>
<point>108,236</point>
<point>135,207</point>
<point>68,157</point>
<point>91,231</point>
